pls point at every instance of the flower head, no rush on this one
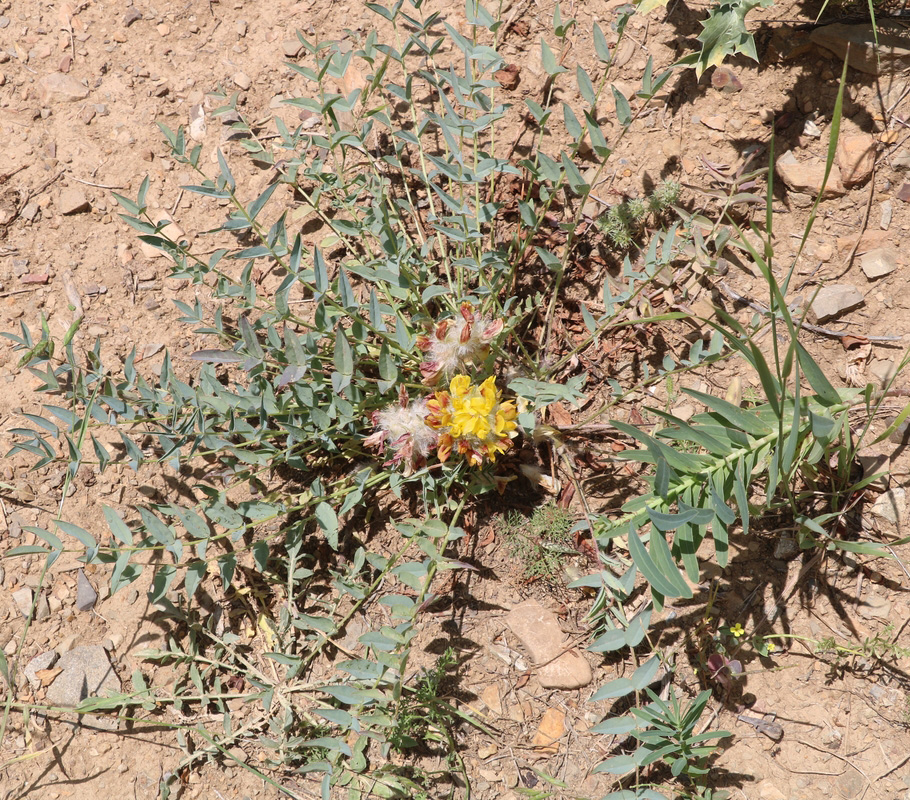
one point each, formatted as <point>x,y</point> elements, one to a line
<point>770,646</point>
<point>473,420</point>
<point>457,344</point>
<point>403,428</point>
<point>737,630</point>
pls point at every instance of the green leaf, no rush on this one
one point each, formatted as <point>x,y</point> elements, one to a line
<point>623,109</point>
<point>585,87</point>
<point>616,726</point>
<point>550,65</point>
<point>611,640</point>
<point>724,33</point>
<point>619,687</point>
<point>742,419</point>
<point>653,575</point>
<point>78,533</point>
<point>344,356</point>
<point>817,379</point>
<point>618,765</point>
<point>328,521</point>
<point>647,6</point>
<point>195,572</point>
<point>600,44</point>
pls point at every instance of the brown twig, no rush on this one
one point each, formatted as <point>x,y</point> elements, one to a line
<point>888,771</point>
<point>96,185</point>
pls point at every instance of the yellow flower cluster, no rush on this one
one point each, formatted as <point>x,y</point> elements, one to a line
<point>472,420</point>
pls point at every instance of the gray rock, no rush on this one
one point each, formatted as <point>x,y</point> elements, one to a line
<point>901,160</point>
<point>892,54</point>
<point>242,80</point>
<point>879,262</point>
<point>23,600</point>
<point>132,15</point>
<point>4,22</point>
<point>30,211</point>
<point>2,574</point>
<point>892,506</point>
<point>86,596</point>
<point>42,610</point>
<point>60,88</point>
<point>38,663</point>
<point>786,548</point>
<point>538,631</point>
<point>72,201</point>
<point>87,672</point>
<point>833,300</point>
<point>872,606</point>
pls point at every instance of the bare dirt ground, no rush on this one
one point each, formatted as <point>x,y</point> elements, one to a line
<point>845,722</point>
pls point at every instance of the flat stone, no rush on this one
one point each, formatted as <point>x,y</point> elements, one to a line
<point>892,506</point>
<point>879,262</point>
<point>869,240</point>
<point>86,596</point>
<point>887,209</point>
<point>23,600</point>
<point>291,48</point>
<point>716,122</point>
<point>72,201</point>
<point>132,15</point>
<point>86,672</point>
<point>901,160</point>
<point>833,300</point>
<point>492,699</point>
<point>60,88</point>
<point>807,176</point>
<point>38,663</point>
<point>856,158</point>
<point>30,211</point>
<point>242,80</point>
<point>539,633</point>
<point>891,55</point>
<point>883,371</point>
<point>551,729</point>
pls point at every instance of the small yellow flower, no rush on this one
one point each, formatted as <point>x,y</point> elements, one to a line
<point>737,630</point>
<point>771,646</point>
<point>472,420</point>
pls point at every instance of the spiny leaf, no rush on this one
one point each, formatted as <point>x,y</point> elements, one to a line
<point>725,33</point>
